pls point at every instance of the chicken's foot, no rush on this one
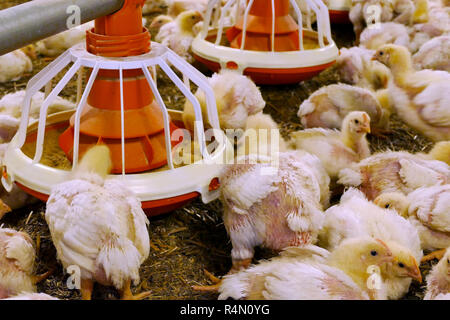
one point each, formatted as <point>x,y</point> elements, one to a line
<point>126,293</point>
<point>86,289</point>
<point>434,255</point>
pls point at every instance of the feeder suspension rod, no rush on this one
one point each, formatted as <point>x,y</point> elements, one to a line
<point>35,20</point>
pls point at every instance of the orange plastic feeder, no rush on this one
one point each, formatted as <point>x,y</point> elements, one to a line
<point>266,42</point>
<point>120,106</point>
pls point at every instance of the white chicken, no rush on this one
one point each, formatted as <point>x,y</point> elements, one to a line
<point>337,149</point>
<point>315,275</point>
<point>438,280</point>
<point>11,104</point>
<point>369,13</point>
<point>438,24</point>
<point>355,217</point>
<point>165,25</point>
<point>60,42</point>
<point>17,256</point>
<point>328,106</point>
<point>32,296</point>
<point>434,54</point>
<point>428,210</point>
<point>14,65</point>
<point>355,66</point>
<point>421,98</point>
<point>98,225</point>
<point>273,209</point>
<point>237,97</point>
<point>384,33</point>
<point>179,36</point>
<point>394,172</point>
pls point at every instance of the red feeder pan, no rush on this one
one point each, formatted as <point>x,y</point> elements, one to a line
<point>266,43</point>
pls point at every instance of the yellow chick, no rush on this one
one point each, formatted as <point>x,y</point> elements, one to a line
<point>165,25</point>
<point>337,149</point>
<point>328,106</point>
<point>420,97</point>
<point>261,136</point>
<point>355,216</point>
<point>17,256</point>
<point>355,66</point>
<point>237,97</point>
<point>98,225</point>
<point>342,274</point>
<point>440,151</point>
<point>438,280</point>
<point>428,209</point>
<point>180,37</point>
<point>394,172</point>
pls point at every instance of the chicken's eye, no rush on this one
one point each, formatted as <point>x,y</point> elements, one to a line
<point>373,253</point>
<point>387,206</point>
<point>356,121</point>
<point>401,265</point>
<point>381,53</point>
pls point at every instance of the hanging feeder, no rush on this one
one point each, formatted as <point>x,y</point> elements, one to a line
<point>339,11</point>
<point>266,43</point>
<point>119,106</point>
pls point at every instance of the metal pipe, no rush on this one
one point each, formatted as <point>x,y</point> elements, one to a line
<point>39,19</point>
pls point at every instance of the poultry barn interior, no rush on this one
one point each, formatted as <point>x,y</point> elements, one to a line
<point>191,239</point>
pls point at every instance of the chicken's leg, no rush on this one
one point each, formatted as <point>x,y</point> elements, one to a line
<point>434,255</point>
<point>238,265</point>
<point>214,288</point>
<point>128,295</point>
<point>42,277</point>
<point>86,289</point>
<point>4,209</point>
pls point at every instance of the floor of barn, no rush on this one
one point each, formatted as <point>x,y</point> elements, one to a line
<point>189,240</point>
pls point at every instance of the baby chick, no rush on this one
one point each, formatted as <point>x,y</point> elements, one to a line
<point>394,172</point>
<point>337,149</point>
<point>17,256</point>
<point>327,107</point>
<point>237,97</point>
<point>341,275</point>
<point>98,225</point>
<point>384,33</point>
<point>180,37</point>
<point>438,280</point>
<point>275,210</point>
<point>57,44</point>
<point>177,7</point>
<point>14,65</point>
<point>355,66</point>
<point>261,136</point>
<point>420,98</point>
<point>434,54</point>
<point>165,25</point>
<point>11,104</point>
<point>153,6</point>
<point>428,209</point>
<point>355,216</point>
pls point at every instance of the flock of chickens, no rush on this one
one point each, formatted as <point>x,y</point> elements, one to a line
<point>369,245</point>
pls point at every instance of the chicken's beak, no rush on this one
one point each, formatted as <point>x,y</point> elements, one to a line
<point>415,273</point>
